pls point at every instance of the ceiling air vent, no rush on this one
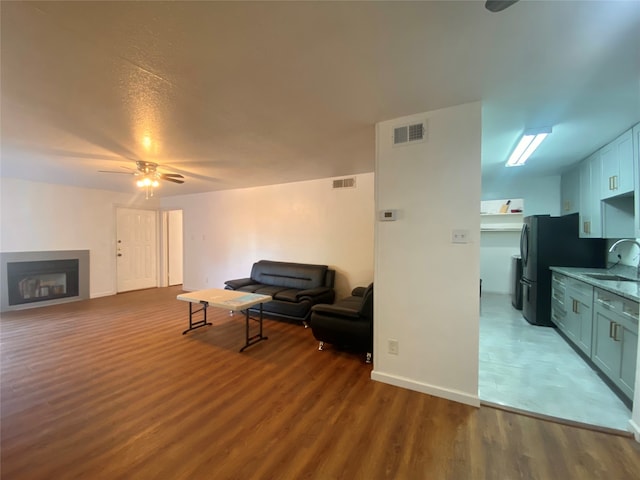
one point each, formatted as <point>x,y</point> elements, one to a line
<point>407,134</point>
<point>345,183</point>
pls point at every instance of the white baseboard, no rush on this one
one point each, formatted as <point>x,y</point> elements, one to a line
<point>101,294</point>
<point>453,395</point>
<point>635,429</point>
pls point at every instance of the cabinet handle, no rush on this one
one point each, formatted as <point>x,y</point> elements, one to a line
<point>615,182</point>
<point>610,329</point>
<point>615,332</point>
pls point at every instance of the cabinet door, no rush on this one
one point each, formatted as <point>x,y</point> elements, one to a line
<point>570,191</point>
<point>584,315</point>
<point>624,151</point>
<point>570,325</point>
<point>579,320</point>
<point>605,350</point>
<point>629,344</point>
<point>617,170</point>
<point>610,169</point>
<point>590,213</point>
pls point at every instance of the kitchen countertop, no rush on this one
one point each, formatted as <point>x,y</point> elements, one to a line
<point>629,290</point>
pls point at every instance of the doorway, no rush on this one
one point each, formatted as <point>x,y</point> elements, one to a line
<point>173,247</point>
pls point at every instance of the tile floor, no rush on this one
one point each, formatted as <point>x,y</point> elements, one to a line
<point>534,369</point>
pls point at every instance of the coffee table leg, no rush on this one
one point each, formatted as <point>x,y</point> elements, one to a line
<point>256,338</point>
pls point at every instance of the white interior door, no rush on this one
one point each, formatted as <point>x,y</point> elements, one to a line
<point>136,249</point>
<point>174,246</point>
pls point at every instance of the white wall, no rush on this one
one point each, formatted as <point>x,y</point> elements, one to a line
<point>308,222</point>
<point>426,294</point>
<point>496,262</point>
<point>541,195</point>
<point>42,216</point>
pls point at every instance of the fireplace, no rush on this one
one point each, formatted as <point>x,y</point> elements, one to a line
<point>34,279</point>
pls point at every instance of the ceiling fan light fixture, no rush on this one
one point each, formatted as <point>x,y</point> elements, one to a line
<point>148,182</point>
<point>528,143</point>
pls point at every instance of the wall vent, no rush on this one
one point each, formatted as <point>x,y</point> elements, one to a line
<point>411,133</point>
<point>349,182</point>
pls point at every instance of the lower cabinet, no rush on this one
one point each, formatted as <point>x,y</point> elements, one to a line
<point>601,324</point>
<point>615,342</point>
<point>558,297</point>
<point>573,314</point>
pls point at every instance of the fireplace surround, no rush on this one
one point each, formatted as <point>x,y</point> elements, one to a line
<point>34,279</point>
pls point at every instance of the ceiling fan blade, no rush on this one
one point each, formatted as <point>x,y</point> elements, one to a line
<point>111,171</point>
<point>498,5</point>
<point>170,179</point>
<point>174,175</point>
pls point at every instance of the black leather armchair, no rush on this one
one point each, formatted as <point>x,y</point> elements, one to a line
<point>347,323</point>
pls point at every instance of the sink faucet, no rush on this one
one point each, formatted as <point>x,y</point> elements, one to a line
<point>615,245</point>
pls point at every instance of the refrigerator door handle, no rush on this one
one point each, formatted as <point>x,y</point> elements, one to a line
<point>525,289</point>
<point>524,245</point>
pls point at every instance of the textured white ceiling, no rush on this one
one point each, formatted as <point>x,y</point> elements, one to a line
<point>236,94</point>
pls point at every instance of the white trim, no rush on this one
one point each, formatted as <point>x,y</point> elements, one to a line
<point>453,395</point>
<point>635,429</point>
<point>102,294</point>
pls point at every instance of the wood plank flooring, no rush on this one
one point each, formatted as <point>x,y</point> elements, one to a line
<point>109,389</point>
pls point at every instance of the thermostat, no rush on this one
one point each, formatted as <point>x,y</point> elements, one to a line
<point>388,215</point>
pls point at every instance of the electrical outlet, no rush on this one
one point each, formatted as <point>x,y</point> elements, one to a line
<point>393,347</point>
<point>460,236</point>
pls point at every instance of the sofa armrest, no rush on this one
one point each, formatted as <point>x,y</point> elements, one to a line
<point>315,292</point>
<point>326,309</point>
<point>358,291</point>
<point>239,283</point>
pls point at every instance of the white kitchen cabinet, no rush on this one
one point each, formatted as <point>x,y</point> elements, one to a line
<point>615,339</point>
<point>579,318</point>
<point>590,209</point>
<point>617,169</point>
<point>570,191</point>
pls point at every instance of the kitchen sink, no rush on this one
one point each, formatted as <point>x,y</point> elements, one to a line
<point>610,277</point>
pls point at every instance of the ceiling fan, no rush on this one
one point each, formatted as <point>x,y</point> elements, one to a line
<point>498,5</point>
<point>149,176</point>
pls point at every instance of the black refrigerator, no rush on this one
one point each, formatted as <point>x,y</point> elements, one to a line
<point>552,241</point>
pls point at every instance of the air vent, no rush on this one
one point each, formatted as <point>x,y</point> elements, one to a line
<point>345,183</point>
<point>407,134</point>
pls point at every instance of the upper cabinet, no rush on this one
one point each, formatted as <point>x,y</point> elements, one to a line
<point>604,189</point>
<point>570,191</point>
<point>617,167</point>
<point>590,212</point>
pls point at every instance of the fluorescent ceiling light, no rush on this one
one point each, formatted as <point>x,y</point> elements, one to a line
<point>530,140</point>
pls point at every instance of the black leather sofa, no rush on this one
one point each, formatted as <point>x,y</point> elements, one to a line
<point>348,323</point>
<point>295,287</point>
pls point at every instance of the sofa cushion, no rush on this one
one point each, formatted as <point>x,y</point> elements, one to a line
<point>250,288</point>
<point>298,310</point>
<point>290,275</point>
<point>269,290</point>
<point>288,295</point>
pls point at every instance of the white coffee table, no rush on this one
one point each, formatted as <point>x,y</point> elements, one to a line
<point>232,300</point>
